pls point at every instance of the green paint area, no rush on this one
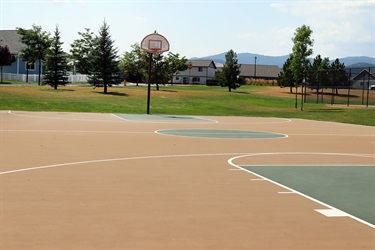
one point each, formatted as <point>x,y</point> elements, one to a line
<point>221,134</point>
<point>348,188</point>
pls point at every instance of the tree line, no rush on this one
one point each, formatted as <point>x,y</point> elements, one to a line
<point>299,70</point>
<point>95,56</point>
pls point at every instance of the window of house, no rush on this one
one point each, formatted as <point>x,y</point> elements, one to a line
<point>177,78</point>
<point>200,69</point>
<point>30,66</point>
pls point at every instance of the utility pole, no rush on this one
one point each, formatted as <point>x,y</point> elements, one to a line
<point>255,68</point>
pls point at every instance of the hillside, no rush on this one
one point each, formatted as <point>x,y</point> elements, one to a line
<point>249,58</point>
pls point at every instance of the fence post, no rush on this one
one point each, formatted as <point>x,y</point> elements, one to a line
<point>350,74</point>
<point>368,86</point>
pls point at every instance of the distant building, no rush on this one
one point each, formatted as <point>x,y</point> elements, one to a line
<point>13,40</point>
<point>364,79</point>
<point>265,72</point>
<point>200,72</point>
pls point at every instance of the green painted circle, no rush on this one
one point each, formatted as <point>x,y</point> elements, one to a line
<point>221,133</point>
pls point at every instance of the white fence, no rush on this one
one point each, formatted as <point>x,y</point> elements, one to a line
<point>34,78</point>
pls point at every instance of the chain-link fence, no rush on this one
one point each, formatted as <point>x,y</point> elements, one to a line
<point>353,86</point>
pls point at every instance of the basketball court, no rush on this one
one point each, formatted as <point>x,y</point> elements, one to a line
<point>118,181</point>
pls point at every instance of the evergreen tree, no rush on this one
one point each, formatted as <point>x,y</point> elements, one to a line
<point>105,66</point>
<point>231,70</point>
<point>285,78</point>
<point>56,63</point>
<point>338,76</point>
<point>317,74</point>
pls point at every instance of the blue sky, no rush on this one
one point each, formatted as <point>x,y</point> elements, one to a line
<point>196,28</point>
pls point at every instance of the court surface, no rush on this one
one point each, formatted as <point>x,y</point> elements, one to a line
<point>118,181</point>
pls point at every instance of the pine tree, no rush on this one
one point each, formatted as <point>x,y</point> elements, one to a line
<point>105,66</point>
<point>286,76</point>
<point>231,70</point>
<point>56,63</point>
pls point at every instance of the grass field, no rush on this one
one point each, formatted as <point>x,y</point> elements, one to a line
<point>254,101</point>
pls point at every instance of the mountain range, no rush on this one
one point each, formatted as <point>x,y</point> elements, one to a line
<point>249,58</point>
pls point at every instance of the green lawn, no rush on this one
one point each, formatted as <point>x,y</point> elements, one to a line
<point>178,100</point>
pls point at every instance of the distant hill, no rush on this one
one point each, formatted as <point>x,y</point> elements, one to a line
<point>249,58</point>
<point>360,65</point>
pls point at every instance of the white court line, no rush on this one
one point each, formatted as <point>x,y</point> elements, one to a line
<point>220,132</point>
<point>283,120</point>
<point>230,161</point>
<point>359,135</point>
<point>114,159</point>
<point>72,131</point>
<point>60,118</point>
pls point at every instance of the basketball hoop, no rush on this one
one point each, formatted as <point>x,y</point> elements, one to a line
<point>155,43</point>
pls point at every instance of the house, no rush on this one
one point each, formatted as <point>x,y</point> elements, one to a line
<point>199,72</point>
<point>364,79</point>
<point>265,72</point>
<point>13,40</point>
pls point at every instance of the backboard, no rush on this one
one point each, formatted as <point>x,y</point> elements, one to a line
<point>155,43</point>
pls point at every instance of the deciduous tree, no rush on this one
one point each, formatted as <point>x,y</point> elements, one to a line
<point>6,58</point>
<point>175,64</point>
<point>81,50</point>
<point>302,49</point>
<point>37,42</point>
<point>134,64</point>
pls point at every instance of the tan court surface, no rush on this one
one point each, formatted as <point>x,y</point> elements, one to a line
<point>96,181</point>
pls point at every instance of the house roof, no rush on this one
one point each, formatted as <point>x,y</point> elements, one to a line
<point>265,71</point>
<point>12,39</point>
<point>365,74</point>
<point>203,63</point>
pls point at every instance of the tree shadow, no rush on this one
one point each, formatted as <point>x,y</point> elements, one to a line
<point>59,89</point>
<point>112,93</point>
<point>165,90</point>
<point>326,110</point>
<point>240,92</point>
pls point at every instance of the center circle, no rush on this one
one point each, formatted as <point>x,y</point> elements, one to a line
<point>221,133</point>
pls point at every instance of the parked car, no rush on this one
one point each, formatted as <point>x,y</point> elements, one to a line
<point>371,87</point>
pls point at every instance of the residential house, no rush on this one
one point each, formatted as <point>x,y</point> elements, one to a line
<point>13,40</point>
<point>364,79</point>
<point>199,72</point>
